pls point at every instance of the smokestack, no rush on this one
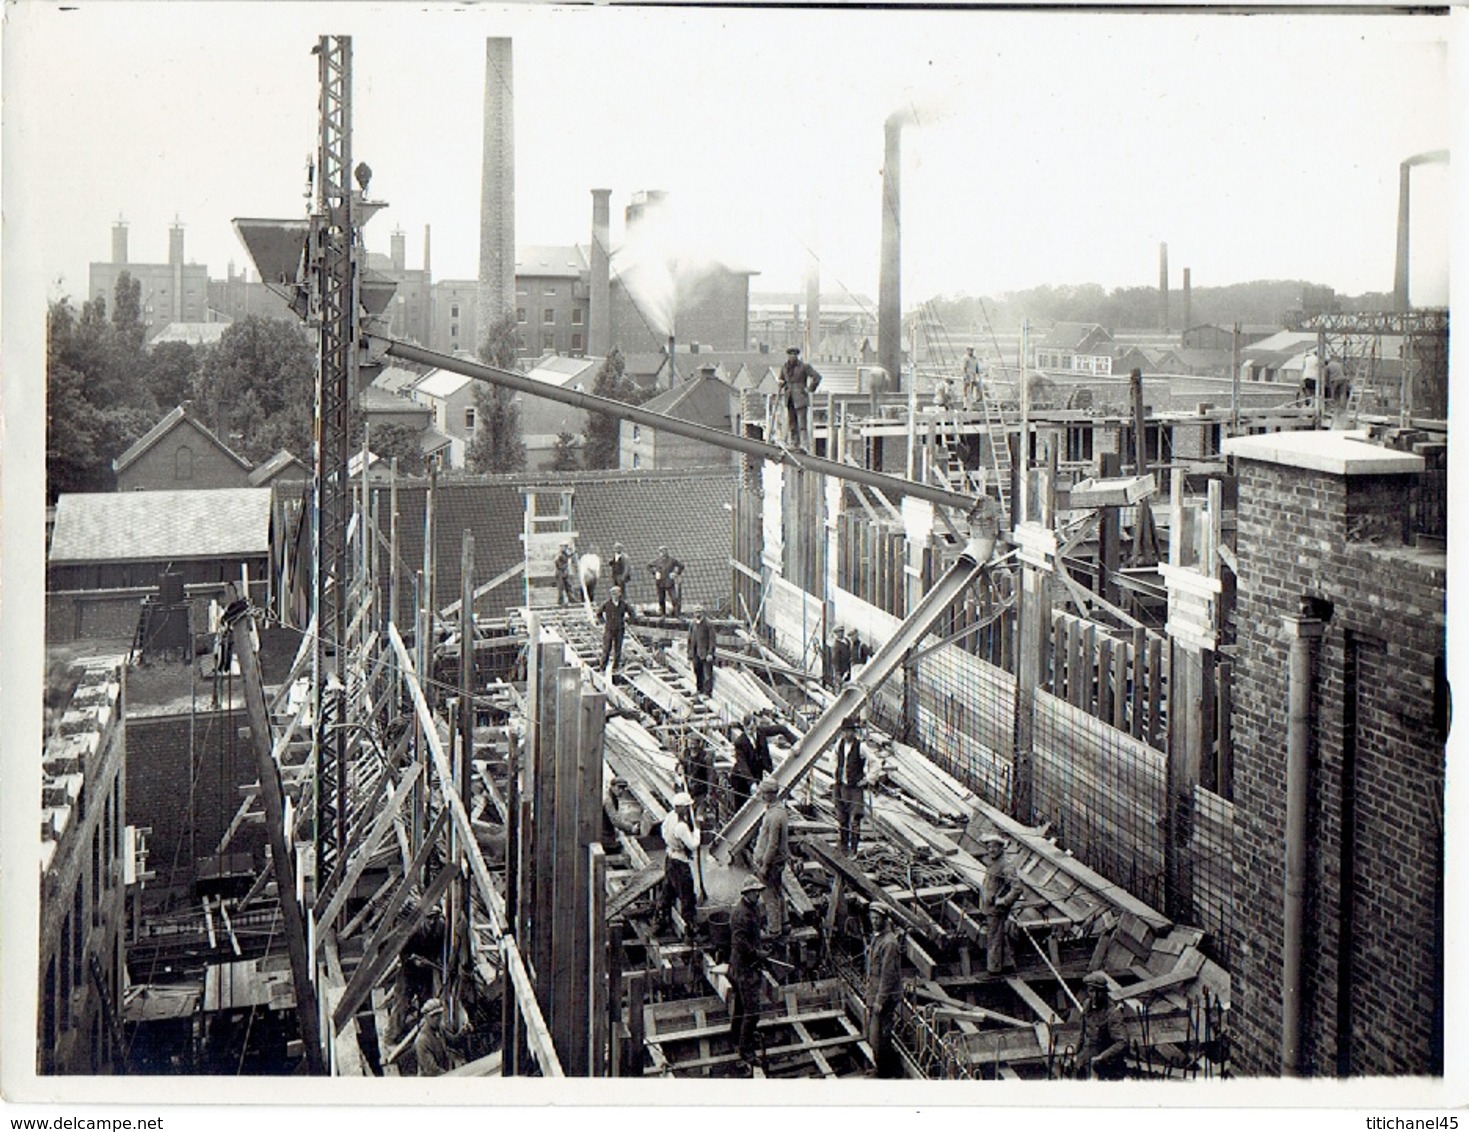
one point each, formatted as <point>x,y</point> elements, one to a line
<point>889,293</point>
<point>400,250</point>
<point>672,372</point>
<point>176,261</point>
<point>428,292</point>
<point>497,188</point>
<point>1188,298</point>
<point>176,244</point>
<point>1400,267</point>
<point>120,241</point>
<point>1163,286</point>
<point>599,340</point>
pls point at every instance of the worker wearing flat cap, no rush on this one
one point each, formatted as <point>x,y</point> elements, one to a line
<point>624,811</point>
<point>619,570</point>
<point>998,895</point>
<point>848,786</point>
<point>747,956</point>
<point>772,851</point>
<point>795,384</point>
<point>680,843</point>
<point>1102,1045</point>
<point>431,1048</point>
<point>883,991</point>
<point>667,574</point>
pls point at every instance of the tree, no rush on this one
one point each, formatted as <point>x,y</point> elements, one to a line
<point>257,387</point>
<point>400,440</point>
<point>602,434</point>
<point>565,458</point>
<point>497,444</point>
<point>172,368</point>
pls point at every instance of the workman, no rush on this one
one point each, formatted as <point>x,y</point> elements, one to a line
<point>431,1048</point>
<point>564,593</point>
<point>883,991</point>
<point>701,653</point>
<point>623,810</point>
<point>841,659</point>
<point>772,851</point>
<point>795,384</point>
<point>1102,1046</point>
<point>590,567</point>
<point>680,843</point>
<point>848,785</point>
<point>744,776</point>
<point>747,956</point>
<point>418,963</point>
<point>697,764</point>
<point>615,615</point>
<point>998,895</point>
<point>619,570</point>
<point>973,372</point>
<point>667,572</point>
<point>760,727</point>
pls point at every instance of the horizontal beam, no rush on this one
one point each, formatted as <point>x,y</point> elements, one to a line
<point>895,485</point>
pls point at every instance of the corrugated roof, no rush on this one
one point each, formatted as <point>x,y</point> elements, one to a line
<point>171,420</point>
<point>130,526</point>
<point>557,370</point>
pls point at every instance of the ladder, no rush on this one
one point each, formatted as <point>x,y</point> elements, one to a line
<point>997,431</point>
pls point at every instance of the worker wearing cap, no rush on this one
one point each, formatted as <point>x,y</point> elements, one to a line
<point>998,895</point>
<point>743,777</point>
<point>701,652</point>
<point>759,727</point>
<point>883,991</point>
<point>1102,1045</point>
<point>973,370</point>
<point>746,957</point>
<point>623,810</point>
<point>796,382</point>
<point>847,788</point>
<point>841,659</point>
<point>564,593</point>
<point>680,843</point>
<point>666,571</point>
<point>431,1047</point>
<point>615,615</point>
<point>772,851</point>
<point>619,570</point>
<point>418,963</point>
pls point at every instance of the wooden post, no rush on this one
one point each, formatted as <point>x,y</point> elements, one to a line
<point>280,849</point>
<point>1139,683</point>
<point>597,960</point>
<point>567,900</point>
<point>612,932</point>
<point>1109,536</point>
<point>550,657</point>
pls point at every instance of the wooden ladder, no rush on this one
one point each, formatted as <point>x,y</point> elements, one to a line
<point>997,428</point>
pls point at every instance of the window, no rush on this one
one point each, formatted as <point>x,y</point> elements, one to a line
<point>548,341</point>
<point>549,290</point>
<point>637,461</point>
<point>576,343</point>
<point>1079,443</point>
<point>521,289</point>
<point>548,316</point>
<point>637,433</point>
<point>453,310</point>
<point>519,314</point>
<point>183,463</point>
<point>453,330</point>
<point>469,418</point>
<point>577,316</point>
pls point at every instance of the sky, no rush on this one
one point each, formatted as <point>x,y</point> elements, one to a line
<point>1045,147</point>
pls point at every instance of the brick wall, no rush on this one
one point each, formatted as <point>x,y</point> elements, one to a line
<point>1337,538</point>
<point>185,458</point>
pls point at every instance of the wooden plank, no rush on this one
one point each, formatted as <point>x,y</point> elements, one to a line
<point>1118,680</point>
<point>1154,732</point>
<point>1032,1000</point>
<point>568,902</point>
<point>537,1035</point>
<point>367,848</point>
<point>1139,686</point>
<point>597,960</point>
<point>1105,690</point>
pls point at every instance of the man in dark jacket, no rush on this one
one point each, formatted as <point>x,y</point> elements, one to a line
<point>771,852</point>
<point>998,895</point>
<point>746,957</point>
<point>1102,1048</point>
<point>744,776</point>
<point>666,571</point>
<point>883,992</point>
<point>614,615</point>
<point>701,653</point>
<point>841,659</point>
<point>797,381</point>
<point>848,788</point>
<point>618,567</point>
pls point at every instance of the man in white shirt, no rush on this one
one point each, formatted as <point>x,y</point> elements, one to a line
<point>681,842</point>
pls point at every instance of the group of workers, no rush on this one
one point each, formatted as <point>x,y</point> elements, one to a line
<point>667,572</point>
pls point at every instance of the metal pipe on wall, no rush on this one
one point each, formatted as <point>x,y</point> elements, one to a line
<point>1304,631</point>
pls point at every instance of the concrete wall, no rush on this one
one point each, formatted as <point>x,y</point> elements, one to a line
<point>1337,538</point>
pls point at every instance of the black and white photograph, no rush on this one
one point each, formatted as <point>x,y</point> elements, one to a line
<point>730,555</point>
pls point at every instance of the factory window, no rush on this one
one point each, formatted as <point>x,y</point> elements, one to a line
<point>469,418</point>
<point>576,343</point>
<point>521,289</point>
<point>1079,443</point>
<point>453,310</point>
<point>548,341</point>
<point>96,877</point>
<point>549,291</point>
<point>78,912</point>
<point>453,330</point>
<point>183,463</point>
<point>637,433</point>
<point>549,315</point>
<point>637,461</point>
<point>519,314</point>
<point>576,316</point>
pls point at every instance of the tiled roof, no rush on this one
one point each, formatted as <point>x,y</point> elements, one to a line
<point>550,260</point>
<point>171,420</point>
<point>685,509</point>
<point>705,400</point>
<point>131,526</point>
<point>1070,335</point>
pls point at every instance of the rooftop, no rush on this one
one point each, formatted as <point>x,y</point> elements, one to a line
<point>1339,453</point>
<point>133,526</point>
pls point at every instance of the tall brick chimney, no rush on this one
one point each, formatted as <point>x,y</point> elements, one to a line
<point>1400,264</point>
<point>1188,298</point>
<point>176,244</point>
<point>497,188</point>
<point>120,241</point>
<point>176,261</point>
<point>1163,286</point>
<point>889,286</point>
<point>599,332</point>
<point>400,250</point>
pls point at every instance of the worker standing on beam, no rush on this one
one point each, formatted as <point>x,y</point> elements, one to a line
<point>847,787</point>
<point>746,957</point>
<point>614,615</point>
<point>841,659</point>
<point>883,992</point>
<point>564,593</point>
<point>772,851</point>
<point>998,895</point>
<point>701,653</point>
<point>667,574</point>
<point>619,570</point>
<point>797,381</point>
<point>680,842</point>
<point>973,371</point>
<point>744,776</point>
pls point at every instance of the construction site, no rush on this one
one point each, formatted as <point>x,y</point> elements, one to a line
<point>1146,691</point>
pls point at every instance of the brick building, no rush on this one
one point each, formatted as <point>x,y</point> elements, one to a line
<point>702,399</point>
<point>1328,567</point>
<point>177,453</point>
<point>84,870</point>
<point>171,292</point>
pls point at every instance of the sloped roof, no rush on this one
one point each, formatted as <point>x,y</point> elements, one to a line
<point>704,400</point>
<point>379,400</point>
<point>273,467</point>
<point>395,379</point>
<point>550,260</point>
<point>191,333</point>
<point>557,370</point>
<point>1287,340</point>
<point>1071,335</point>
<point>173,419</point>
<point>441,383</point>
<point>133,526</point>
